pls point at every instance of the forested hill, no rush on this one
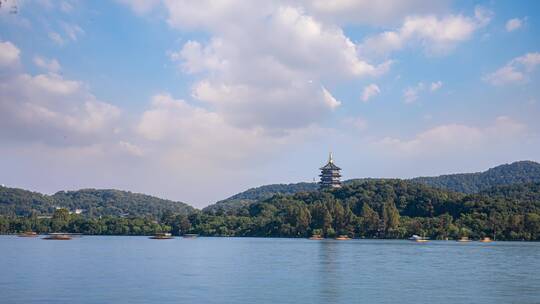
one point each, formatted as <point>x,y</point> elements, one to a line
<point>509,174</point>
<point>259,193</point>
<point>95,202</point>
<point>388,208</point>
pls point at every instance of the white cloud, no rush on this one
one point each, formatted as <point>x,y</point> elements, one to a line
<point>131,149</point>
<point>436,85</point>
<point>436,35</point>
<point>72,31</point>
<point>50,65</point>
<point>371,12</point>
<point>514,24</point>
<point>410,94</point>
<point>516,71</point>
<point>9,54</point>
<point>51,109</point>
<point>455,138</point>
<point>56,38</point>
<point>265,65</point>
<point>355,122</point>
<point>370,91</point>
<point>330,100</point>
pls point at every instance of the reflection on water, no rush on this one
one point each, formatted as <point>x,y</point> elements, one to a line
<point>255,270</point>
<point>329,271</point>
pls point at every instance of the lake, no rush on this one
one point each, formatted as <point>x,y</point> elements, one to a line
<point>122,269</point>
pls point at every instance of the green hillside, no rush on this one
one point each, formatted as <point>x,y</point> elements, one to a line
<point>514,173</point>
<point>256,194</point>
<point>385,209</point>
<point>95,203</point>
<point>509,174</point>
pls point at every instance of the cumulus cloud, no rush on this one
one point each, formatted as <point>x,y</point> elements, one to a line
<point>73,31</point>
<point>370,91</point>
<point>437,35</point>
<point>371,12</point>
<point>180,130</point>
<point>455,137</point>
<point>51,109</point>
<point>267,64</point>
<point>56,38</point>
<point>412,93</point>
<point>516,71</point>
<point>514,24</point>
<point>50,65</point>
<point>436,86</point>
<point>9,54</point>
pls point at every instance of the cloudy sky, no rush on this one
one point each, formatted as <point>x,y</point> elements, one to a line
<point>198,100</point>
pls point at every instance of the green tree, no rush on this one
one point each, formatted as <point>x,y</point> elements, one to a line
<point>390,217</point>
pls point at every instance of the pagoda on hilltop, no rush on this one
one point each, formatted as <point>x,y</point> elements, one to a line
<point>330,176</point>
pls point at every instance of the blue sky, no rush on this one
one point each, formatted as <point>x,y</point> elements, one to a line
<point>198,100</point>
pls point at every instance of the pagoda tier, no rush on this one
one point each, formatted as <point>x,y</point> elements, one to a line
<point>330,176</point>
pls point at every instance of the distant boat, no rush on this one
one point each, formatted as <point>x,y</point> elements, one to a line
<point>418,239</point>
<point>28,234</point>
<point>316,237</point>
<point>58,237</point>
<point>464,239</point>
<point>486,240</point>
<point>343,238</point>
<point>162,236</point>
<point>190,236</point>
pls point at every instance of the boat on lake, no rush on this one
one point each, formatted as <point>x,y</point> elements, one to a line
<point>162,236</point>
<point>486,240</point>
<point>190,236</point>
<point>28,234</point>
<point>58,237</point>
<point>343,238</point>
<point>464,239</point>
<point>418,239</point>
<point>316,237</point>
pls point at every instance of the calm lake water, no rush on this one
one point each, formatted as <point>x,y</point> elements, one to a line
<point>115,269</point>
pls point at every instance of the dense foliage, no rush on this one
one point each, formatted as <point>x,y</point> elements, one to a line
<point>95,203</point>
<point>370,209</point>
<point>62,221</point>
<point>515,173</point>
<point>252,195</point>
<point>385,209</point>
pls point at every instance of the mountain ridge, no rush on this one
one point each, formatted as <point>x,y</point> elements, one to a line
<point>95,203</point>
<point>468,183</point>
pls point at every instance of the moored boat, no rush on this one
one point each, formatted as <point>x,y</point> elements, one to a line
<point>28,234</point>
<point>343,238</point>
<point>486,240</point>
<point>58,237</point>
<point>190,236</point>
<point>464,239</point>
<point>418,239</point>
<point>162,236</point>
<point>316,237</point>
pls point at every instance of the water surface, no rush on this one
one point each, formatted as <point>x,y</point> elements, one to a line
<point>117,269</point>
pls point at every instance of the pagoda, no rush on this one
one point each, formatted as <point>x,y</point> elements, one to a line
<point>330,176</point>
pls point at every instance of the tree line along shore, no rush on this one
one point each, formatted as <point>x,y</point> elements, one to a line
<point>386,208</point>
